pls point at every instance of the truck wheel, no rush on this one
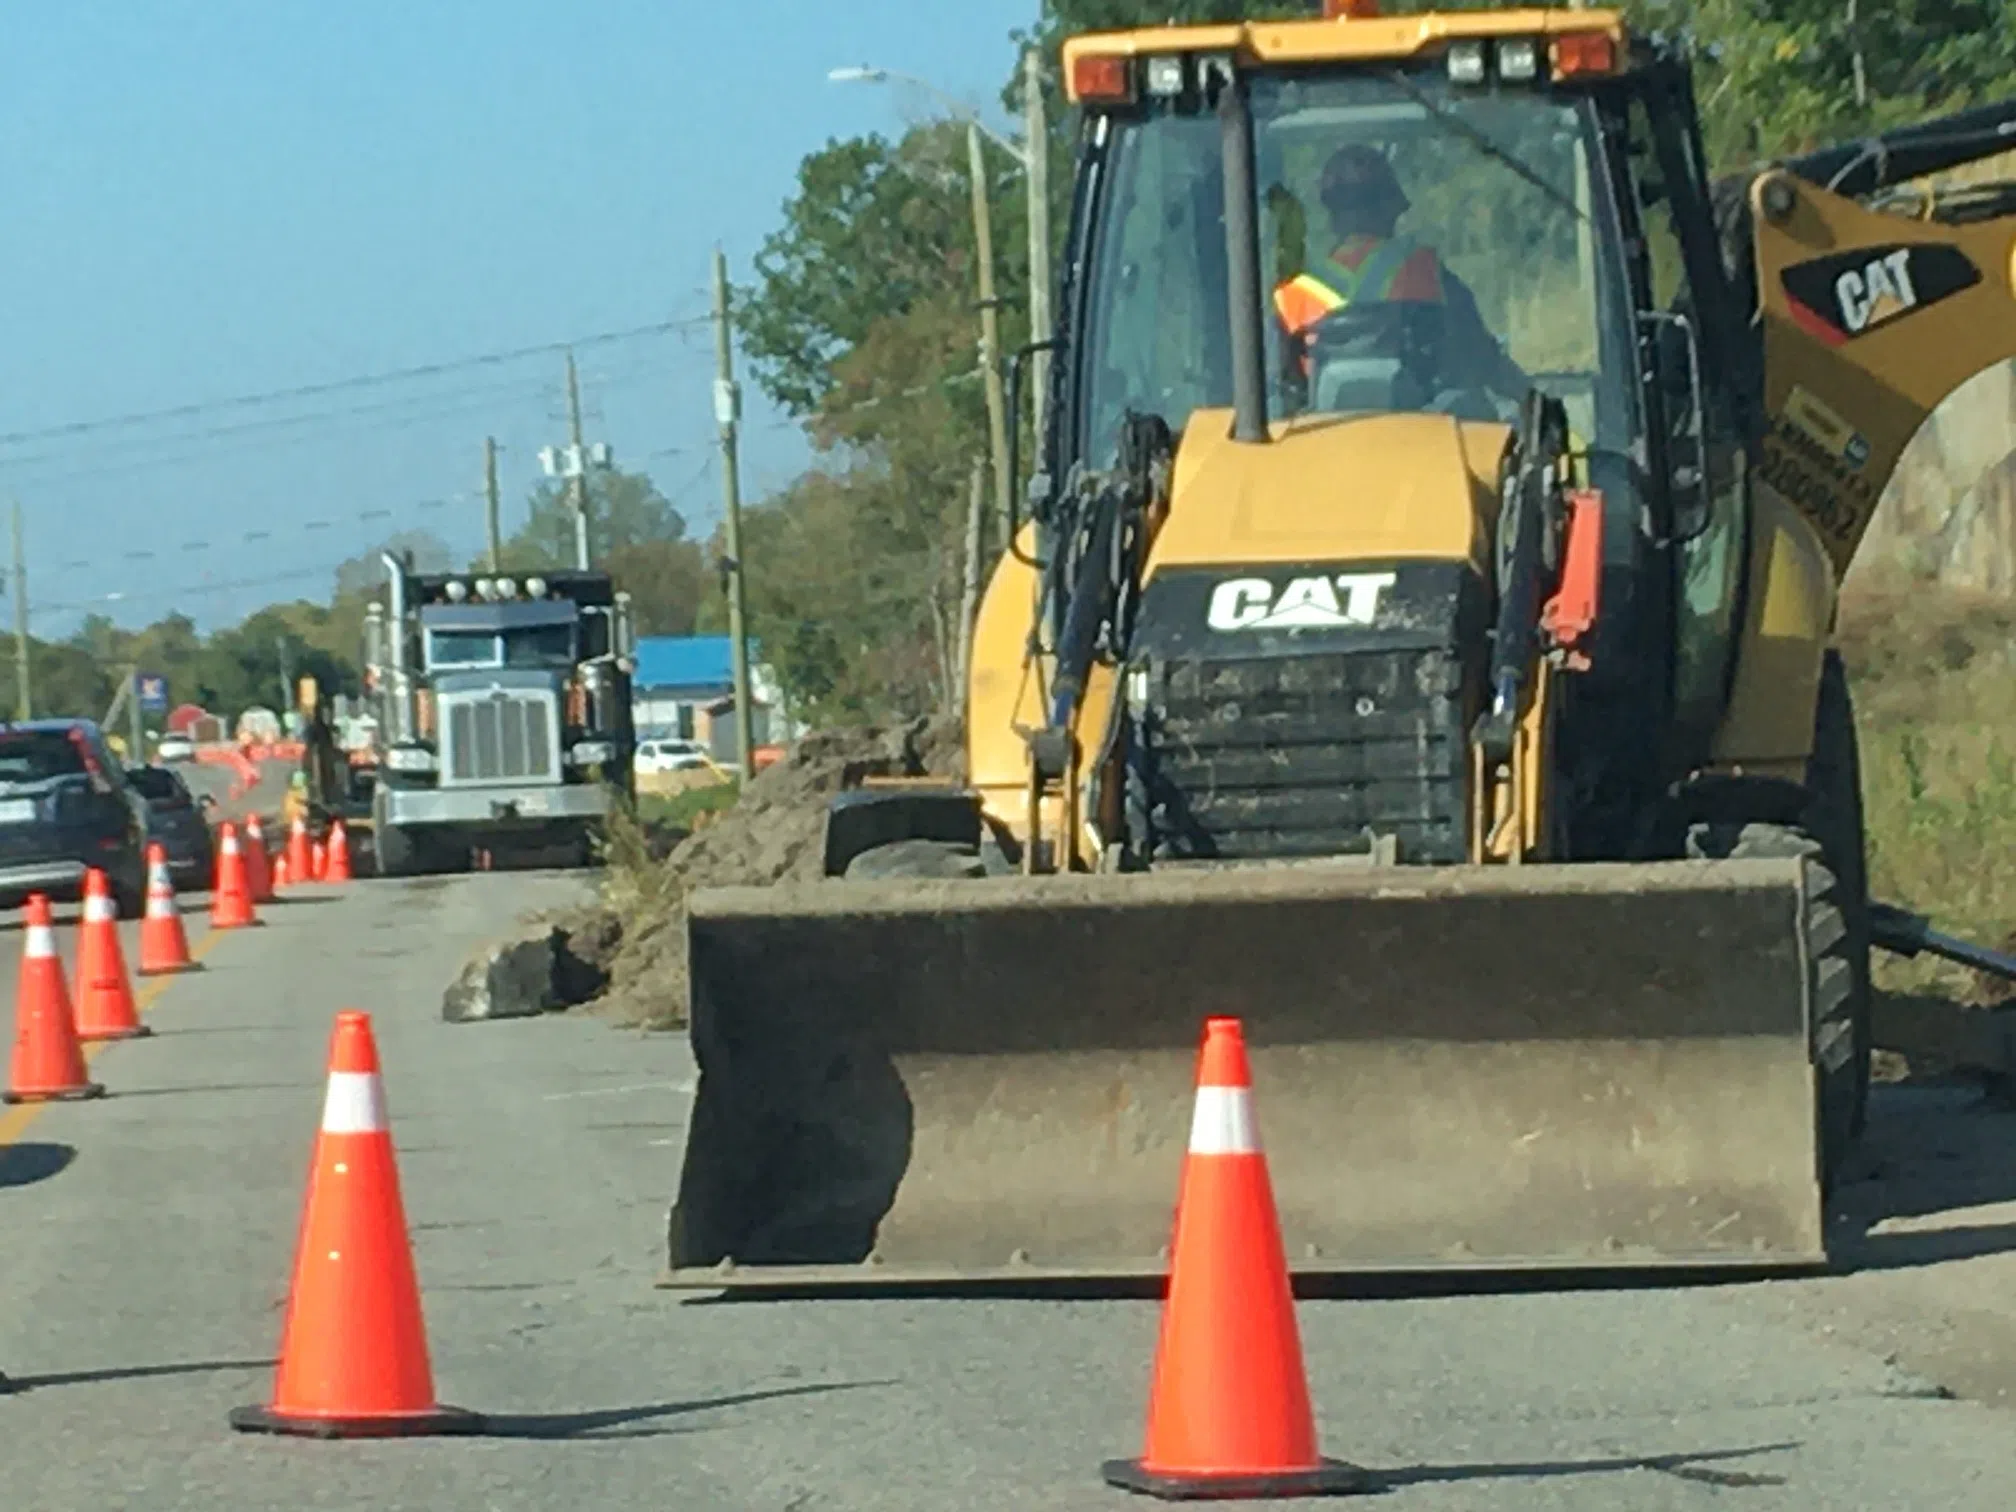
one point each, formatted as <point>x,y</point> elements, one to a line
<point>915,858</point>
<point>1840,1046</point>
<point>398,852</point>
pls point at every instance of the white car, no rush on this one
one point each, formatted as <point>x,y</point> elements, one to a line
<point>175,748</point>
<point>671,756</point>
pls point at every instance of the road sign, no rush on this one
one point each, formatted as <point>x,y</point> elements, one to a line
<point>152,690</point>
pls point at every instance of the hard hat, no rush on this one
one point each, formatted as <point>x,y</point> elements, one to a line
<point>1358,177</point>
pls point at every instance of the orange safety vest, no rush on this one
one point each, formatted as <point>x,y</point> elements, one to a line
<point>1361,267</point>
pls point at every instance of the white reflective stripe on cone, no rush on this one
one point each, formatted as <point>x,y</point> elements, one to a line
<point>355,1104</point>
<point>100,910</point>
<point>1223,1123</point>
<point>41,940</point>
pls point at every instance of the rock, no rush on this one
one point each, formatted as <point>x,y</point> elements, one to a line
<point>514,979</point>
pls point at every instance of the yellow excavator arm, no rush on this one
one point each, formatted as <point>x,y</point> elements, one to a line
<point>1874,313</point>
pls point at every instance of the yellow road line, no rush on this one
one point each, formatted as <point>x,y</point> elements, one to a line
<point>16,1120</point>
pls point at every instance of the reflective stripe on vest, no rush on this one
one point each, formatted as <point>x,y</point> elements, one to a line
<point>1381,272</point>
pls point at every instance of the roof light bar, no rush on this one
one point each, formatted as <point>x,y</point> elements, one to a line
<point>1103,78</point>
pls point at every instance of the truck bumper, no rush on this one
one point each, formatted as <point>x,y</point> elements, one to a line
<point>496,807</point>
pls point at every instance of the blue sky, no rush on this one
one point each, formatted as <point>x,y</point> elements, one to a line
<point>205,199</point>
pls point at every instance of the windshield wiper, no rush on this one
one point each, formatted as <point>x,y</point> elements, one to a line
<point>1485,145</point>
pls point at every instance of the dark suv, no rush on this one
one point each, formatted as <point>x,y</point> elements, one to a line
<point>178,820</point>
<point>65,806</point>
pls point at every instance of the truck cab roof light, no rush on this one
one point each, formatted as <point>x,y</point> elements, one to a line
<point>1103,78</point>
<point>1519,59</point>
<point>1165,75</point>
<point>456,591</point>
<point>1582,54</point>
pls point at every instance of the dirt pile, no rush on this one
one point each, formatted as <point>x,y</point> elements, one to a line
<point>632,945</point>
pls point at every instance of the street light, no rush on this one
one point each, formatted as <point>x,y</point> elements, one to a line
<point>1031,158</point>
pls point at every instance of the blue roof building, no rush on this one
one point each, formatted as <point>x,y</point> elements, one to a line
<point>685,685</point>
<point>687,667</point>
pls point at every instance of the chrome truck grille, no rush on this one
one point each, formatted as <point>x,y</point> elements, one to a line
<point>500,737</point>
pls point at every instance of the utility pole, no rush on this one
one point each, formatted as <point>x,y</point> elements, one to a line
<point>136,716</point>
<point>1036,144</point>
<point>24,702</point>
<point>490,503</point>
<point>990,326</point>
<point>578,483</point>
<point>727,411</point>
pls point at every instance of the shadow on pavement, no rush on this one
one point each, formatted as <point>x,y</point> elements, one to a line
<point>1934,1152</point>
<point>565,1425</point>
<point>25,1164</point>
<point>1699,1468</point>
<point>132,1373</point>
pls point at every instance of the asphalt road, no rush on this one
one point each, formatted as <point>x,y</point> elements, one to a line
<point>145,1242</point>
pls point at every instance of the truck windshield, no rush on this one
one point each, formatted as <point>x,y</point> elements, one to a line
<point>1499,242</point>
<point>461,648</point>
<point>540,646</point>
<point>522,646</point>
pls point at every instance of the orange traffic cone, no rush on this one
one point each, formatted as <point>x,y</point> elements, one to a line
<point>1228,1414</point>
<point>164,946</point>
<point>231,898</point>
<point>353,1350</point>
<point>48,1059</point>
<point>281,877</point>
<point>300,865</point>
<point>105,1007</point>
<point>258,862</point>
<point>337,868</point>
<point>318,861</point>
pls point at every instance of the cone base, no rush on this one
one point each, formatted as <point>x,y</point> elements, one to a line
<point>56,1094</point>
<point>136,1031</point>
<point>433,1421</point>
<point>236,923</point>
<point>1325,1478</point>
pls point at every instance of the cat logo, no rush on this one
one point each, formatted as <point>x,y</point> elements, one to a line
<point>1880,290</point>
<point>1307,603</point>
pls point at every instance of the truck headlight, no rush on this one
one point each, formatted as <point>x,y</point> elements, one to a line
<point>592,753</point>
<point>410,759</point>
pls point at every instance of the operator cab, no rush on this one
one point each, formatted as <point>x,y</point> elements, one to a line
<point>1550,170</point>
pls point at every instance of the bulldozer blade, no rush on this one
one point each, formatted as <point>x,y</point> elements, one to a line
<point>1586,1067</point>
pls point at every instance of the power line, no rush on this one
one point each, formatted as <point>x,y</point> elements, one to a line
<point>342,385</point>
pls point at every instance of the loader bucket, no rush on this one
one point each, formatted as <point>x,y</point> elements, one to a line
<point>1590,1066</point>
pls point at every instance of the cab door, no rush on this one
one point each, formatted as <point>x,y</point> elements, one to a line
<point>1697,409</point>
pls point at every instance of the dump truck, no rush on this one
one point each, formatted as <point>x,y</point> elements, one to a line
<point>502,709</point>
<point>1424,658</point>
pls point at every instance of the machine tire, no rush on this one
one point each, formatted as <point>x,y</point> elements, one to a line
<point>1840,1051</point>
<point>398,852</point>
<point>1834,817</point>
<point>918,859</point>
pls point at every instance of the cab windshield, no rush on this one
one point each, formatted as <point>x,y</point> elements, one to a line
<point>1496,272</point>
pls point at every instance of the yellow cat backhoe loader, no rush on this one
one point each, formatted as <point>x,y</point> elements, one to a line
<point>1436,677</point>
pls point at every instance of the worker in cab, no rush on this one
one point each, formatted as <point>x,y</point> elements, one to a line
<point>1370,260</point>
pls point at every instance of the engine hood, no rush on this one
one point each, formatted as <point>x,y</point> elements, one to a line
<point>1333,488</point>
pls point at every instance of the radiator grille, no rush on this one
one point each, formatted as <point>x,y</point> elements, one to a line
<point>1306,756</point>
<point>496,738</point>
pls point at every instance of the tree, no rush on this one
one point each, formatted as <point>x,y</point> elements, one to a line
<point>624,509</point>
<point>365,572</point>
<point>875,229</point>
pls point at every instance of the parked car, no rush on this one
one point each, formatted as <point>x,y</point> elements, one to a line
<point>179,820</point>
<point>667,755</point>
<point>175,748</point>
<point>66,806</point>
